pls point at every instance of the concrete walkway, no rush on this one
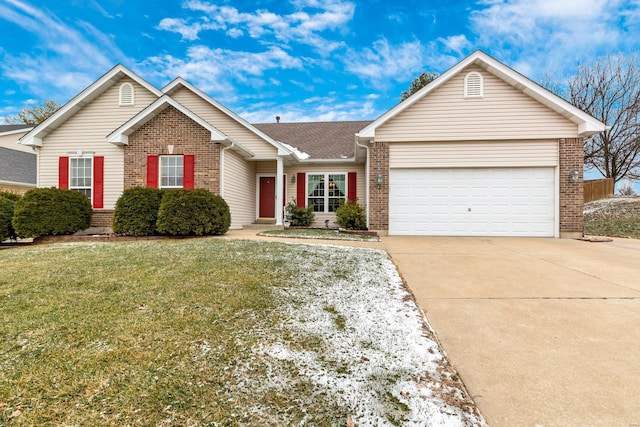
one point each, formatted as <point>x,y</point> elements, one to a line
<point>544,332</point>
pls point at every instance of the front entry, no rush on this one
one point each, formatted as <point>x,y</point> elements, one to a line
<point>267,207</point>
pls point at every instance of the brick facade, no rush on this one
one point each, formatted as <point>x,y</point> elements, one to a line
<point>379,194</point>
<point>171,127</point>
<point>571,194</point>
<point>102,218</point>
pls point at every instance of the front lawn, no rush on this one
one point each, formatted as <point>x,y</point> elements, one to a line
<point>216,332</point>
<point>615,217</point>
<point>319,233</point>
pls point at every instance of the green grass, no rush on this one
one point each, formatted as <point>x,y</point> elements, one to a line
<point>144,333</point>
<point>318,233</point>
<point>615,218</point>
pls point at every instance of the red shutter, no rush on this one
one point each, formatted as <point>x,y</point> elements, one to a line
<point>352,191</point>
<point>301,194</point>
<point>188,171</point>
<point>63,172</point>
<point>152,171</point>
<point>98,182</point>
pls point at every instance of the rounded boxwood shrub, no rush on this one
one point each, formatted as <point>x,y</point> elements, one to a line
<point>136,212</point>
<point>193,213</point>
<point>6,215</point>
<point>300,217</point>
<point>350,215</point>
<point>51,211</point>
<point>10,195</point>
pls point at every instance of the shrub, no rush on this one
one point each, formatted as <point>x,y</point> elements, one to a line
<point>193,212</point>
<point>136,212</point>
<point>51,211</point>
<point>350,215</point>
<point>6,215</point>
<point>625,188</point>
<point>300,217</point>
<point>10,195</point>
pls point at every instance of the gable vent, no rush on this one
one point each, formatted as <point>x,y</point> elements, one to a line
<point>473,85</point>
<point>126,94</point>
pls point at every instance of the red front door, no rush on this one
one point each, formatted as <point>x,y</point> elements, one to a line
<point>267,197</point>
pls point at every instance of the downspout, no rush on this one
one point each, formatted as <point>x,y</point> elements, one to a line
<point>366,182</point>
<point>233,143</point>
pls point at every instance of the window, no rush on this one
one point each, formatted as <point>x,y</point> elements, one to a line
<point>325,191</point>
<point>473,87</point>
<point>126,94</point>
<point>80,175</point>
<point>171,171</point>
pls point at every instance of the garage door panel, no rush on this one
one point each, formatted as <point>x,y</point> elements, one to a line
<point>468,202</point>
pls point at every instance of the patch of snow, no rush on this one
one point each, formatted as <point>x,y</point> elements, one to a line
<point>377,346</point>
<point>299,154</point>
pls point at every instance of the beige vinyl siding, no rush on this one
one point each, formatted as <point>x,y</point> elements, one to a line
<point>266,167</point>
<point>11,141</point>
<point>87,131</point>
<point>292,188</point>
<point>473,154</point>
<point>239,189</point>
<point>261,148</point>
<point>15,188</point>
<point>504,112</point>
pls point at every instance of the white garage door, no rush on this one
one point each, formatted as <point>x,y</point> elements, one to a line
<point>472,202</point>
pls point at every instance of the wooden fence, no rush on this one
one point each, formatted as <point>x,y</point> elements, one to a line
<point>596,189</point>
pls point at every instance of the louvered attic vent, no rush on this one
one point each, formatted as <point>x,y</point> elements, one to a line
<point>473,85</point>
<point>126,94</point>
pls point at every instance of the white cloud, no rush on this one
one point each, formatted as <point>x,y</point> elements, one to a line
<point>320,109</point>
<point>301,26</point>
<point>536,36</point>
<point>384,61</point>
<point>457,44</point>
<point>67,58</point>
<point>218,69</point>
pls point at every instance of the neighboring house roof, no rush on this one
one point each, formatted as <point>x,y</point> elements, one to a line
<point>14,128</point>
<point>174,85</point>
<point>17,166</point>
<point>34,137</point>
<point>319,140</point>
<point>587,125</point>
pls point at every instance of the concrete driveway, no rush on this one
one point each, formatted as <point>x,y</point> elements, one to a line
<point>544,332</point>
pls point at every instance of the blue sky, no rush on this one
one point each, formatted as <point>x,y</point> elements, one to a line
<point>300,59</point>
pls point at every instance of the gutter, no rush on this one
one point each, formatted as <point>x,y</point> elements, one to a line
<point>366,182</point>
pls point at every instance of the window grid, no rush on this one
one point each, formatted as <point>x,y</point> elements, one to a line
<point>171,171</point>
<point>80,176</point>
<point>326,191</point>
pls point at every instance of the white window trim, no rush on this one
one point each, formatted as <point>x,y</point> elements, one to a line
<point>133,94</point>
<point>326,192</point>
<point>81,155</point>
<point>160,171</point>
<point>467,94</point>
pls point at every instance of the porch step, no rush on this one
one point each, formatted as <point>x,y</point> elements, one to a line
<point>265,221</point>
<point>258,226</point>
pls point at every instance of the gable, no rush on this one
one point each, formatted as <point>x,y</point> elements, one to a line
<point>236,131</point>
<point>102,115</point>
<point>502,112</point>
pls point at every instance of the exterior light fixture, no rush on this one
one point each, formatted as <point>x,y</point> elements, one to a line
<point>573,176</point>
<point>379,178</point>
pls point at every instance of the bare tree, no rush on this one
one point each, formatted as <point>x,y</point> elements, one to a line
<point>35,114</point>
<point>610,91</point>
<point>418,83</point>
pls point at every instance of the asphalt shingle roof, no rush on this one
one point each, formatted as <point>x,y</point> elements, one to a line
<point>9,128</point>
<point>321,140</point>
<point>17,166</point>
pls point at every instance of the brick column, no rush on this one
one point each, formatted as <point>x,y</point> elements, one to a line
<point>571,194</point>
<point>379,194</point>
